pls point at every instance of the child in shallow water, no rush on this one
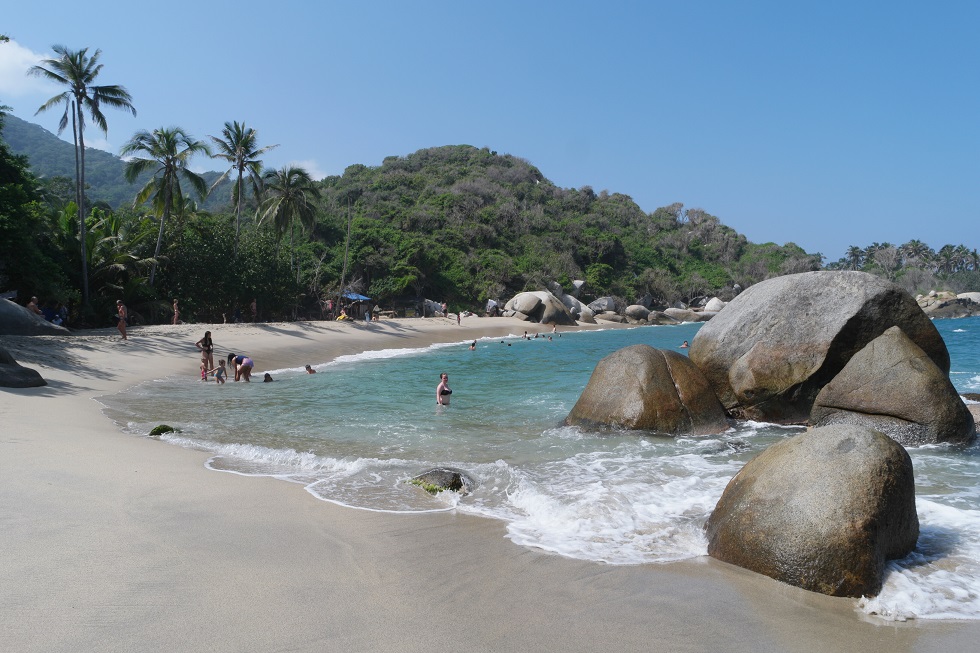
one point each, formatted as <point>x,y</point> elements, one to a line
<point>219,372</point>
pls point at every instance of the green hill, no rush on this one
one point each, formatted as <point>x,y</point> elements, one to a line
<point>50,157</point>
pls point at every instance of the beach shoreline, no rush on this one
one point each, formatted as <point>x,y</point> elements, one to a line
<point>119,543</point>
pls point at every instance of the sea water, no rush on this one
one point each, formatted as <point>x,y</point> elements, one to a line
<point>356,432</point>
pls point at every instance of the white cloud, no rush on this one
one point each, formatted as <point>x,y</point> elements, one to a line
<point>15,61</point>
<point>311,167</point>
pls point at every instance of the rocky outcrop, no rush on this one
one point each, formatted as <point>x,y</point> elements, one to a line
<point>945,304</point>
<point>15,320</point>
<point>14,375</point>
<point>823,511</point>
<point>776,344</point>
<point>639,387</point>
<point>541,307</point>
<point>892,386</point>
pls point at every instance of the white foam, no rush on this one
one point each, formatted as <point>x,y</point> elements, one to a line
<point>940,579</point>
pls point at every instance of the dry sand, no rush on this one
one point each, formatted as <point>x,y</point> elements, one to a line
<point>110,542</point>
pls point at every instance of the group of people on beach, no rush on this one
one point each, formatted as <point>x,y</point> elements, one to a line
<point>55,313</point>
<point>243,364</point>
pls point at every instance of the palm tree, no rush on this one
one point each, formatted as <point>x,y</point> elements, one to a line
<point>289,196</point>
<point>77,71</point>
<point>238,147</point>
<point>855,257</point>
<point>168,151</point>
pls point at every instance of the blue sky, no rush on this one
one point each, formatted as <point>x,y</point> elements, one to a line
<point>827,124</point>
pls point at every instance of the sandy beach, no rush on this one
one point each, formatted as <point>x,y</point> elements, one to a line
<point>112,542</point>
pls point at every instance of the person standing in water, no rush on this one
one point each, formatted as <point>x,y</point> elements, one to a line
<point>442,390</point>
<point>243,367</point>
<point>207,350</point>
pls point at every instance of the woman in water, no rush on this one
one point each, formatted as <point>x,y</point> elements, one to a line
<point>442,390</point>
<point>207,350</point>
<point>243,367</point>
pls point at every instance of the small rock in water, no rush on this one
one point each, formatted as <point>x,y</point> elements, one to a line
<point>445,478</point>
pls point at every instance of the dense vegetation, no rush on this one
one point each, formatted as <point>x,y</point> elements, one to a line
<point>916,266</point>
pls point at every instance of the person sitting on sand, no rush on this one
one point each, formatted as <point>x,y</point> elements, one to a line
<point>310,370</point>
<point>442,390</point>
<point>32,306</point>
<point>343,315</point>
<point>267,378</point>
<point>243,367</point>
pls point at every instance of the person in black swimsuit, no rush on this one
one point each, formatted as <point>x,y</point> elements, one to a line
<point>207,350</point>
<point>442,390</point>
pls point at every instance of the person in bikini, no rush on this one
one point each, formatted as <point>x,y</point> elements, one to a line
<point>243,367</point>
<point>442,390</point>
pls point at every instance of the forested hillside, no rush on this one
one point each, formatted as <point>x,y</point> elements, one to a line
<point>50,157</point>
<point>469,224</point>
<point>454,223</point>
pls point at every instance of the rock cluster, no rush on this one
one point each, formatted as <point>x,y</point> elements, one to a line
<point>847,352</point>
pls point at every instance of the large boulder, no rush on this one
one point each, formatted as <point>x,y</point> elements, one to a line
<point>636,313</point>
<point>542,307</point>
<point>602,305</point>
<point>578,310</point>
<point>714,305</point>
<point>775,345</point>
<point>823,511</point>
<point>639,387</point>
<point>683,314</point>
<point>13,375</point>
<point>610,316</point>
<point>972,296</point>
<point>892,386</point>
<point>15,320</point>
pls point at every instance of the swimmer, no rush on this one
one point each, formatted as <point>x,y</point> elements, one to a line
<point>267,378</point>
<point>442,390</point>
<point>684,345</point>
<point>473,346</point>
<point>310,370</point>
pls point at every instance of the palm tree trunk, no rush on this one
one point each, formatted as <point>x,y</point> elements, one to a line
<point>163,220</point>
<point>81,197</point>
<point>238,211</point>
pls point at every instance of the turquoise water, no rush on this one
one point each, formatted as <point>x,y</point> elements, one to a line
<point>355,432</point>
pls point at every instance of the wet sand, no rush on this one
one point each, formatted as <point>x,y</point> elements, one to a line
<point>117,543</point>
